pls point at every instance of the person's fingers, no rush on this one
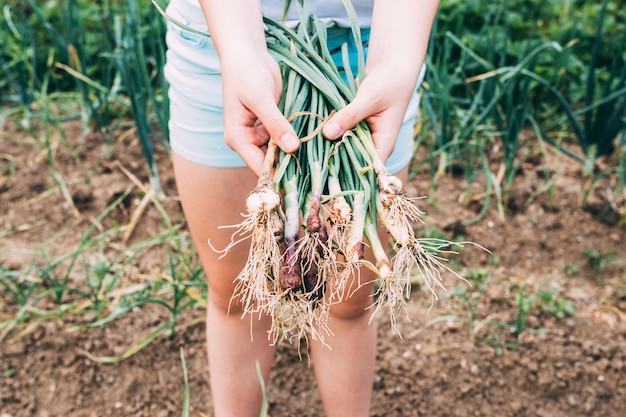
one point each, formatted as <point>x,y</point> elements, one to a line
<point>261,132</point>
<point>348,117</point>
<point>253,156</point>
<point>246,138</point>
<point>274,122</point>
<point>278,127</point>
<point>385,135</point>
<point>383,121</point>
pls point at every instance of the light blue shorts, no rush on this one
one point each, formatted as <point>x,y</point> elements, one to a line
<point>193,72</point>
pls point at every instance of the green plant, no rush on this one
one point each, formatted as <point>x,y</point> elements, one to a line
<point>181,290</point>
<point>571,268</point>
<point>525,303</point>
<point>604,112</point>
<point>499,344</point>
<point>86,281</point>
<point>470,297</point>
<point>107,56</point>
<point>499,70</point>
<point>19,286</point>
<point>146,92</point>
<point>98,277</point>
<point>493,103</point>
<point>600,260</point>
<point>187,393</point>
<point>552,303</point>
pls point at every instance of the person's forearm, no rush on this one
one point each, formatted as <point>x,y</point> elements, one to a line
<point>236,27</point>
<point>400,32</point>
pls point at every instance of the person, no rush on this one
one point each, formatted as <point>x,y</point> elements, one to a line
<point>223,93</point>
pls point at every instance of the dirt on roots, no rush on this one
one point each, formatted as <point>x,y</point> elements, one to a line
<point>552,251</point>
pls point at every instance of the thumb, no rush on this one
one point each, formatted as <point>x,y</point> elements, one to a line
<point>345,119</point>
<point>279,128</point>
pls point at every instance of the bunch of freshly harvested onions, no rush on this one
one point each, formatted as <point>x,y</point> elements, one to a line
<point>313,211</point>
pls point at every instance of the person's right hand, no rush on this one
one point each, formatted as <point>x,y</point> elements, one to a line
<point>251,81</point>
<point>251,88</point>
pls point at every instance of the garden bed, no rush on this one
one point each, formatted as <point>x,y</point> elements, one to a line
<point>521,353</point>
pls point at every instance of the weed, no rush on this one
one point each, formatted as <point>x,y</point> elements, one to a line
<point>525,303</point>
<point>470,297</point>
<point>599,261</point>
<point>493,260</point>
<point>17,285</point>
<point>552,303</point>
<point>571,269</point>
<point>499,344</point>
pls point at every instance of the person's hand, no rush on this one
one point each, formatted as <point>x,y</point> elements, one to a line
<point>381,100</point>
<point>397,47</point>
<point>251,89</point>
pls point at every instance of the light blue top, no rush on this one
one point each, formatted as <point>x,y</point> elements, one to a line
<point>326,10</point>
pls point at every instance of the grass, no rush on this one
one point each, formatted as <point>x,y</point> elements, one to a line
<point>488,86</point>
<point>87,283</point>
<point>496,70</point>
<point>502,328</point>
<point>88,286</point>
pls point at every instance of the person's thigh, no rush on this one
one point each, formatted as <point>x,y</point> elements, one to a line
<point>213,198</point>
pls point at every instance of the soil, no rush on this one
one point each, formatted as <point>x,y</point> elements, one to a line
<point>547,239</point>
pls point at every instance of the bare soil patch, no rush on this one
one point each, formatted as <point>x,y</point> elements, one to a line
<point>571,366</point>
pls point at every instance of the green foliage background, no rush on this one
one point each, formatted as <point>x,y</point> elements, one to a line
<point>108,56</point>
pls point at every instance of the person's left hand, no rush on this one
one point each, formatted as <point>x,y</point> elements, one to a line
<point>381,100</point>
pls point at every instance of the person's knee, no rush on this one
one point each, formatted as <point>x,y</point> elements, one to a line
<point>355,307</point>
<point>222,300</point>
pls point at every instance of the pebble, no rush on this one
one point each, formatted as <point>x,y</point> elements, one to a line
<point>474,369</point>
<point>516,406</point>
<point>571,400</point>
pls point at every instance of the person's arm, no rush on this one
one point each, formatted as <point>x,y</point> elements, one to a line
<point>251,80</point>
<point>397,47</point>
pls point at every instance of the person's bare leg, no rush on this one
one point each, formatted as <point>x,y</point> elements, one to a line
<point>345,372</point>
<point>214,197</point>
